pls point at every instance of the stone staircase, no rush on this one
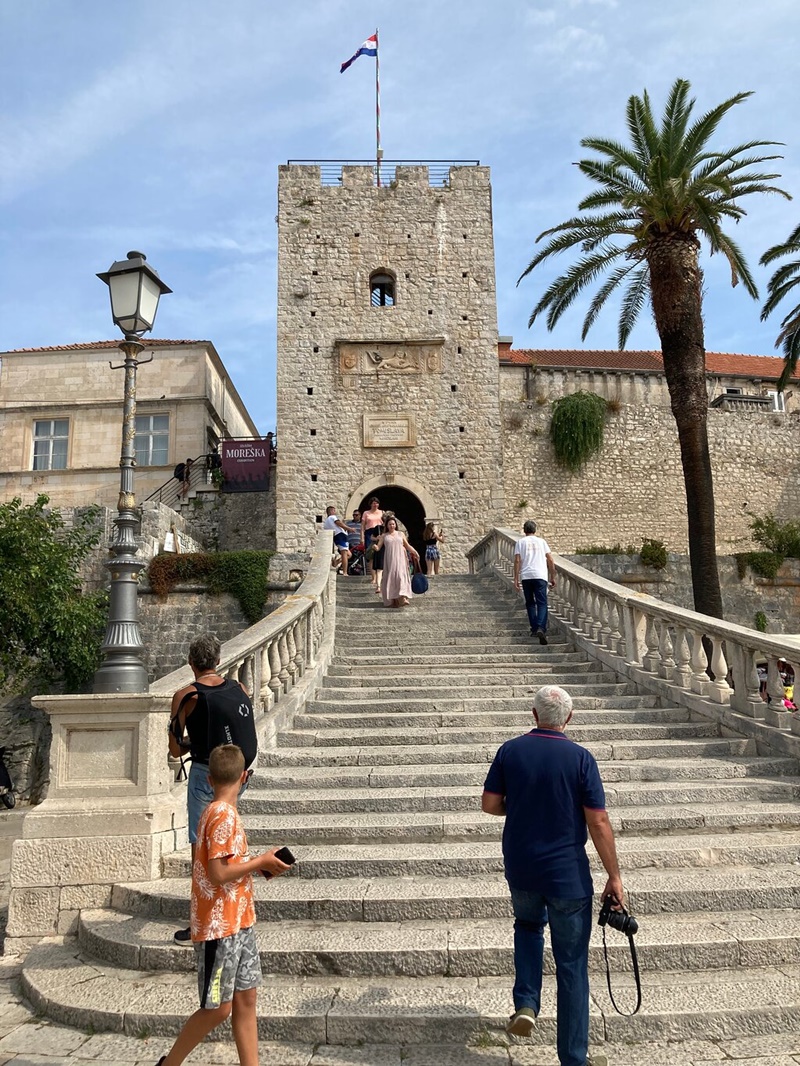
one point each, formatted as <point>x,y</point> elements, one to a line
<point>395,925</point>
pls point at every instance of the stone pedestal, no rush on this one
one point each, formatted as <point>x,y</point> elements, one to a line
<point>111,813</point>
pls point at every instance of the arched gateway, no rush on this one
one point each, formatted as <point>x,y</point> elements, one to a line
<point>405,498</point>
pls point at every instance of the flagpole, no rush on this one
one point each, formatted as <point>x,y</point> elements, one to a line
<point>378,150</point>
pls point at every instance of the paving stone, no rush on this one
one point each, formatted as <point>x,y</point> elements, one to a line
<point>774,1044</point>
<point>449,1055</point>
<point>43,1039</point>
<point>366,1055</point>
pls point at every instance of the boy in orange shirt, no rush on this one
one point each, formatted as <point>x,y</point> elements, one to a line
<point>223,917</point>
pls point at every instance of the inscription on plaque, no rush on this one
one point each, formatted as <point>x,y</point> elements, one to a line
<point>389,431</point>
<point>391,357</point>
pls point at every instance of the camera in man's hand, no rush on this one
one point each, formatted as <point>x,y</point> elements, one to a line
<point>620,920</point>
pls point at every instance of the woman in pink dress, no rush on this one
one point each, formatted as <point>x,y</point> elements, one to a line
<point>396,585</point>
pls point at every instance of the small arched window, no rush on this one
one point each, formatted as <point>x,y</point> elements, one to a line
<point>381,289</point>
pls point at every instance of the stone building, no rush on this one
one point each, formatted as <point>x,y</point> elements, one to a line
<point>61,418</point>
<point>387,350</point>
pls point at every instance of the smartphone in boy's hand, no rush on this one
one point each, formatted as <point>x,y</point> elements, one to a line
<point>285,856</point>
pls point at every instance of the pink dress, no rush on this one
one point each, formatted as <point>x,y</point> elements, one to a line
<point>396,580</point>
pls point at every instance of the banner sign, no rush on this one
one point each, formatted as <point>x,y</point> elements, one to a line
<point>245,465</point>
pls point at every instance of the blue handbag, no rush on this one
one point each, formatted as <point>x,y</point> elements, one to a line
<point>419,583</point>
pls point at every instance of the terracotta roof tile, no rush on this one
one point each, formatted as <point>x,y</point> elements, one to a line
<point>148,343</point>
<point>733,365</point>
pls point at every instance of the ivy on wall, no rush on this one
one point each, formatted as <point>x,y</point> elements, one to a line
<point>576,428</point>
<point>243,574</point>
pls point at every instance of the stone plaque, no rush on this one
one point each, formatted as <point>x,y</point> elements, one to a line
<point>389,430</point>
<point>390,357</point>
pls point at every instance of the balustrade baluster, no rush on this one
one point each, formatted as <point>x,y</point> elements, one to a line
<point>601,628</point>
<point>299,657</point>
<point>666,664</point>
<point>291,649</point>
<point>267,696</point>
<point>615,636</point>
<point>274,670</point>
<point>651,658</point>
<point>719,690</point>
<point>245,674</point>
<point>682,674</point>
<point>283,653</point>
<point>699,663</point>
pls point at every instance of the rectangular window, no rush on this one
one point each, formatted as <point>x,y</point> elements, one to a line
<point>733,392</point>
<point>152,440</point>
<point>50,439</point>
<point>778,400</point>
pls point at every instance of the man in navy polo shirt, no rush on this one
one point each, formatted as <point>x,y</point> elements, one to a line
<point>550,791</point>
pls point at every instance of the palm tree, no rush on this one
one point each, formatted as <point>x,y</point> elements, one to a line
<point>785,278</point>
<point>642,227</point>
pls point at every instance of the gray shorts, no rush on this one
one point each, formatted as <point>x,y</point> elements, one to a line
<point>226,966</point>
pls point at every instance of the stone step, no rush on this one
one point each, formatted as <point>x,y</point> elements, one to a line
<point>466,798</point>
<point>424,754</point>
<point>539,674</point>
<point>474,774</point>
<point>378,660</point>
<point>442,735</point>
<point>707,852</point>
<point>452,947</point>
<point>489,644</point>
<point>296,829</point>
<point>609,712</point>
<point>601,694</point>
<point>60,982</point>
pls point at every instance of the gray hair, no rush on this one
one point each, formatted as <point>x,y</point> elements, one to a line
<point>204,651</point>
<point>529,527</point>
<point>553,706</point>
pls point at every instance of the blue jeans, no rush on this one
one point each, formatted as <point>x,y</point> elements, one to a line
<point>570,929</point>
<point>199,794</point>
<point>535,590</point>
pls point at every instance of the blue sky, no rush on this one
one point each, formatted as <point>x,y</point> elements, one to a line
<point>159,126</point>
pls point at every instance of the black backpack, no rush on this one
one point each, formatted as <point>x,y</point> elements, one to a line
<point>223,714</point>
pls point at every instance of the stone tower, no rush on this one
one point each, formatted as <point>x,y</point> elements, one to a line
<point>387,351</point>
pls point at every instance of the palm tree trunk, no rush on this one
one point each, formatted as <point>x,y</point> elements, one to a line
<point>676,290</point>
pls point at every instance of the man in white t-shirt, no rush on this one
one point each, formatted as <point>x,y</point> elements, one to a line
<point>533,569</point>
<point>340,536</point>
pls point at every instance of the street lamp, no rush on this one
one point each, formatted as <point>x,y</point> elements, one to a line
<point>135,290</point>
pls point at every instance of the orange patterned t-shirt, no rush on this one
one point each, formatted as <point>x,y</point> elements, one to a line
<point>218,911</point>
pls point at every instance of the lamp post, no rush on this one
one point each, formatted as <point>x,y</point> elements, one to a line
<point>135,289</point>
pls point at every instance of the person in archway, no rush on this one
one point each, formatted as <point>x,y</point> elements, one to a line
<point>432,538</point>
<point>372,526</point>
<point>396,584</point>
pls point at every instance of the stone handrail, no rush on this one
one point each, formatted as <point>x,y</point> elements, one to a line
<point>690,658</point>
<point>272,656</point>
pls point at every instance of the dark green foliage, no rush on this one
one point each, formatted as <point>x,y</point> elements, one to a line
<point>243,574</point>
<point>782,538</point>
<point>782,286</point>
<point>654,553</point>
<point>599,549</point>
<point>765,564</point>
<point>576,429</point>
<point>760,621</point>
<point>51,631</point>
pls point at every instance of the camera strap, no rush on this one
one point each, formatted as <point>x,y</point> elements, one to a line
<point>635,961</point>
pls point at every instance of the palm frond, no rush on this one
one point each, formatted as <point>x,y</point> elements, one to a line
<point>615,278</point>
<point>632,303</point>
<point>703,129</point>
<point>677,113</point>
<point>791,246</point>
<point>564,289</point>
<point>791,353</point>
<point>642,129</point>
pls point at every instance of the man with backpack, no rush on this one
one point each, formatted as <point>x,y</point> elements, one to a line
<point>213,710</point>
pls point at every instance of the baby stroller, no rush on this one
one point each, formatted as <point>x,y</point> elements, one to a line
<point>357,566</point>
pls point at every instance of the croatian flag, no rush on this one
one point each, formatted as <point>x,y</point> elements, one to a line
<point>368,48</point>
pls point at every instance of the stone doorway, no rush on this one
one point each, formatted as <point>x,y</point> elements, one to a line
<point>408,508</point>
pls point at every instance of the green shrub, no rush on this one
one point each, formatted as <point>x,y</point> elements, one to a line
<point>654,553</point>
<point>765,564</point>
<point>599,549</point>
<point>51,630</point>
<point>244,574</point>
<point>760,621</point>
<point>576,428</point>
<point>780,538</point>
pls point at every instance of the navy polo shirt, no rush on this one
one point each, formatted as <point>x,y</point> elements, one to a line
<point>547,779</point>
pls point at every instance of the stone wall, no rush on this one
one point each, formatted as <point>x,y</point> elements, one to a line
<point>634,489</point>
<point>742,598</point>
<point>233,521</point>
<point>402,396</point>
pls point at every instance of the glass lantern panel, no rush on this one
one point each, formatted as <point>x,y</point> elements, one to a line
<point>148,304</point>
<point>124,298</point>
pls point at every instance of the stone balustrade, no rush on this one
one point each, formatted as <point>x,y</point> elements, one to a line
<point>704,663</point>
<point>113,808</point>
